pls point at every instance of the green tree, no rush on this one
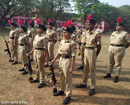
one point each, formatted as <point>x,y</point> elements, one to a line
<point>14,8</point>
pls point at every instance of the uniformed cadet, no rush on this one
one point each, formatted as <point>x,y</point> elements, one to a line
<point>67,53</point>
<point>40,44</point>
<point>93,40</point>
<point>78,35</point>
<point>31,35</point>
<point>52,37</point>
<point>73,36</point>
<point>120,40</point>
<point>58,32</point>
<point>82,44</point>
<point>24,46</point>
<point>13,43</point>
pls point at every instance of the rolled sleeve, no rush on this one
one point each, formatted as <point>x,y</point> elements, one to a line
<point>98,39</point>
<point>127,38</point>
<point>73,49</point>
<point>45,43</point>
<point>33,32</point>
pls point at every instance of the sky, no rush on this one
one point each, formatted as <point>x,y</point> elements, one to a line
<point>116,3</point>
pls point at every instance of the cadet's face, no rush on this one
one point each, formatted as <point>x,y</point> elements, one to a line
<point>12,26</point>
<point>21,30</point>
<point>86,27</point>
<point>39,30</point>
<point>119,28</point>
<point>90,26</point>
<point>49,26</point>
<point>29,26</point>
<point>66,34</point>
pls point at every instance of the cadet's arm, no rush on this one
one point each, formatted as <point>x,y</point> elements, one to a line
<point>15,38</point>
<point>72,63</point>
<point>57,56</point>
<point>45,53</point>
<point>128,44</point>
<point>98,49</point>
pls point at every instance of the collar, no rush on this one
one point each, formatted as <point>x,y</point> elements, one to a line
<point>67,41</point>
<point>91,31</point>
<point>14,29</point>
<point>23,34</point>
<point>119,32</point>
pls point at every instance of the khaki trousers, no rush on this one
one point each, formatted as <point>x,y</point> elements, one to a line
<point>116,55</point>
<point>82,54</point>
<point>65,76</point>
<point>31,47</point>
<point>89,66</point>
<point>40,72</point>
<point>13,50</point>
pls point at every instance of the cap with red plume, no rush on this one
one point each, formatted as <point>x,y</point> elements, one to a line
<point>119,21</point>
<point>50,22</point>
<point>28,22</point>
<point>89,20</point>
<point>19,22</point>
<point>69,23</point>
<point>9,21</point>
<point>65,25</point>
<point>67,28</point>
<point>38,21</point>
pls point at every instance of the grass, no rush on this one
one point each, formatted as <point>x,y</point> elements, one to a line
<point>15,87</point>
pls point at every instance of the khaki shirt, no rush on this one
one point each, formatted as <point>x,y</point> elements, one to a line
<point>73,36</point>
<point>92,38</point>
<point>58,30</point>
<point>14,33</point>
<point>83,37</point>
<point>23,39</point>
<point>31,32</point>
<point>121,38</point>
<point>67,47</point>
<point>40,41</point>
<point>51,35</point>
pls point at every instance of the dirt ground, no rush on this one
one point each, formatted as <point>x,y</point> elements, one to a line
<point>16,88</point>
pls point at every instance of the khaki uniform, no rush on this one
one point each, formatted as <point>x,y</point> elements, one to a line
<point>40,44</point>
<point>73,36</point>
<point>92,39</point>
<point>78,34</point>
<point>58,32</point>
<point>23,48</point>
<point>67,48</point>
<point>13,49</point>
<point>31,33</point>
<point>117,50</point>
<point>51,35</point>
<point>83,46</point>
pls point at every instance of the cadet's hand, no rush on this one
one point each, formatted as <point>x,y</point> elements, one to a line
<point>71,70</point>
<point>51,62</point>
<point>27,54</point>
<point>31,45</point>
<point>7,42</point>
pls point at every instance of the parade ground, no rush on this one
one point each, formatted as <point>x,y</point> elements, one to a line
<point>15,89</point>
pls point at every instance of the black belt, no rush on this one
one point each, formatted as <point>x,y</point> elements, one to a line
<point>65,56</point>
<point>39,48</point>
<point>50,40</point>
<point>83,43</point>
<point>29,36</point>
<point>117,45</point>
<point>89,48</point>
<point>11,37</point>
<point>22,44</point>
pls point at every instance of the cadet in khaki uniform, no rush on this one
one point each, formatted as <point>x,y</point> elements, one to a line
<point>24,46</point>
<point>40,44</point>
<point>78,35</point>
<point>13,43</point>
<point>93,40</point>
<point>67,53</point>
<point>52,37</point>
<point>73,36</point>
<point>82,44</point>
<point>58,32</point>
<point>31,35</point>
<point>120,40</point>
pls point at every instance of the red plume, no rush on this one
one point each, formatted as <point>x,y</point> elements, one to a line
<point>119,19</point>
<point>19,22</point>
<point>38,21</point>
<point>69,23</point>
<point>49,20</point>
<point>9,21</point>
<point>28,22</point>
<point>89,17</point>
<point>65,25</point>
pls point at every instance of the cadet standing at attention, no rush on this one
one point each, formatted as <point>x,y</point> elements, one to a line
<point>40,51</point>
<point>82,44</point>
<point>67,53</point>
<point>13,43</point>
<point>58,32</point>
<point>120,40</point>
<point>93,40</point>
<point>52,37</point>
<point>31,35</point>
<point>24,48</point>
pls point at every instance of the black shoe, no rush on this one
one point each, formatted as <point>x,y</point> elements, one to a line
<point>66,100</point>
<point>34,81</point>
<point>21,69</point>
<point>30,78</point>
<point>58,93</point>
<point>14,63</point>
<point>49,68</point>
<point>25,72</point>
<point>31,60</point>
<point>46,66</point>
<point>10,60</point>
<point>91,92</point>
<point>41,85</point>
<point>107,76</point>
<point>81,67</point>
<point>80,86</point>
<point>115,79</point>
